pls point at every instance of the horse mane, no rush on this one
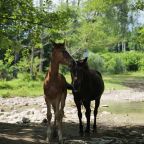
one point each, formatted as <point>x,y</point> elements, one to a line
<point>83,65</point>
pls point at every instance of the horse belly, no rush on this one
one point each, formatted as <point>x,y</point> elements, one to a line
<point>51,92</point>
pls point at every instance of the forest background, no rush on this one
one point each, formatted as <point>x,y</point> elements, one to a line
<point>111,30</point>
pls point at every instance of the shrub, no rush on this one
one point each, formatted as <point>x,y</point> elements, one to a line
<point>141,65</point>
<point>120,62</point>
<point>115,66</point>
<point>96,62</point>
<point>132,60</point>
<point>6,72</point>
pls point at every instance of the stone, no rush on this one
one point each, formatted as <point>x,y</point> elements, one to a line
<point>133,133</point>
<point>26,104</point>
<point>104,106</point>
<point>25,120</point>
<point>2,110</point>
<point>105,113</point>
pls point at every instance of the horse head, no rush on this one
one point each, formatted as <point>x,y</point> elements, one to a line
<point>61,55</point>
<point>77,71</point>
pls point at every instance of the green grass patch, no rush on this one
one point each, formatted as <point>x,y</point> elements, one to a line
<point>121,81</point>
<point>25,87</point>
<point>20,87</point>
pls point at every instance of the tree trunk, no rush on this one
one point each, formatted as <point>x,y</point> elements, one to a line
<point>78,3</point>
<point>15,71</point>
<point>123,46</point>
<point>41,59</point>
<point>32,62</point>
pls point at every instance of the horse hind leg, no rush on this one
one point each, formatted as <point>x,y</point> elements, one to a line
<point>97,103</point>
<point>49,116</point>
<point>87,114</point>
<point>55,123</point>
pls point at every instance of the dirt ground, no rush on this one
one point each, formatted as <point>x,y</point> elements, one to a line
<point>112,128</point>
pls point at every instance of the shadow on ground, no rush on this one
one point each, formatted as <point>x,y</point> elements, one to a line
<point>36,134</point>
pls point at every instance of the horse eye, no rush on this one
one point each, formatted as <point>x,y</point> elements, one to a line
<point>64,52</point>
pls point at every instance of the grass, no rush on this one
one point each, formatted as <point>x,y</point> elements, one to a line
<point>121,81</point>
<point>21,87</point>
<point>24,87</point>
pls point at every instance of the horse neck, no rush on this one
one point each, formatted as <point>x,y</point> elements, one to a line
<point>85,75</point>
<point>54,69</point>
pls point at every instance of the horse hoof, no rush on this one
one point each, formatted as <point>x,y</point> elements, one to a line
<point>81,133</point>
<point>55,134</point>
<point>94,130</point>
<point>87,131</point>
<point>47,141</point>
<point>61,142</point>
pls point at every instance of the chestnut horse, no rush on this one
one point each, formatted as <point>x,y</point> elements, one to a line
<point>88,86</point>
<point>55,89</point>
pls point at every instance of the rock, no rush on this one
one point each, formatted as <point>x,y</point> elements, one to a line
<point>104,106</point>
<point>133,133</point>
<point>75,142</point>
<point>44,110</point>
<point>2,110</point>
<point>106,113</point>
<point>12,108</point>
<point>19,122</point>
<point>44,121</point>
<point>30,112</point>
<point>106,140</point>
<point>2,113</point>
<point>7,114</point>
<point>25,120</point>
<point>26,104</point>
<point>14,112</point>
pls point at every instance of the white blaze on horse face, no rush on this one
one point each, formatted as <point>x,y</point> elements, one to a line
<point>85,55</point>
<point>75,78</point>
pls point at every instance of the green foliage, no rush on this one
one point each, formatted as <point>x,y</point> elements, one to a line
<point>96,62</point>
<point>121,62</point>
<point>132,60</point>
<point>5,71</point>
<point>115,66</point>
<point>22,86</point>
<point>95,25</point>
<point>64,69</point>
<point>9,57</point>
<point>141,64</point>
<point>140,38</point>
<point>24,66</point>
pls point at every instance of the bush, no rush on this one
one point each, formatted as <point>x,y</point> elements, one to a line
<point>132,60</point>
<point>96,62</point>
<point>120,62</point>
<point>141,65</point>
<point>115,66</point>
<point>6,72</point>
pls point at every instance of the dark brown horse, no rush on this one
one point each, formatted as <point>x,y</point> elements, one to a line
<point>88,86</point>
<point>55,89</point>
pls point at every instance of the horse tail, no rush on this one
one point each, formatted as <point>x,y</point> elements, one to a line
<point>69,86</point>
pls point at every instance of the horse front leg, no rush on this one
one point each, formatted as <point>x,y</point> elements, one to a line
<point>54,126</point>
<point>78,105</point>
<point>49,116</point>
<point>97,103</point>
<point>87,114</point>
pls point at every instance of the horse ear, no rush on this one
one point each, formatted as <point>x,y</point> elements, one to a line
<point>85,60</point>
<point>81,62</point>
